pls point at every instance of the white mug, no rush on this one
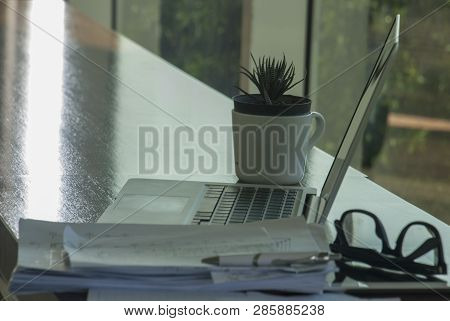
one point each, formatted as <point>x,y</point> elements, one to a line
<point>274,149</point>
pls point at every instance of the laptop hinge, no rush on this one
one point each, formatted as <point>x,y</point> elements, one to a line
<point>314,206</point>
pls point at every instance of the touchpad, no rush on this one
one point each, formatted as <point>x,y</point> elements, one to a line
<point>150,209</point>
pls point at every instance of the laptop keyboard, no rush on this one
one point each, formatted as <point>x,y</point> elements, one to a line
<point>243,204</point>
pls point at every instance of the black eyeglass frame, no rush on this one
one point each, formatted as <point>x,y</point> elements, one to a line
<point>391,258</point>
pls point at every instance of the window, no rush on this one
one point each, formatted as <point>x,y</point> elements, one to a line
<point>406,146</point>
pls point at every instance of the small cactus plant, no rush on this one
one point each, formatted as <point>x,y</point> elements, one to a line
<point>272,77</point>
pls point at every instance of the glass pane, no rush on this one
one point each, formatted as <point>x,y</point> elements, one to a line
<point>406,146</point>
<point>211,39</point>
<point>99,10</point>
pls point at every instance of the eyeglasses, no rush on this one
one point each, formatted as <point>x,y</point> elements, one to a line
<point>397,258</point>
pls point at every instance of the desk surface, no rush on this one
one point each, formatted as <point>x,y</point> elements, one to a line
<point>73,95</point>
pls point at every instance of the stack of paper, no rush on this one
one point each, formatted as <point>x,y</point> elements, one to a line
<point>57,257</point>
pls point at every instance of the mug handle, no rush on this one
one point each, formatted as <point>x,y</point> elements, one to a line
<point>320,129</point>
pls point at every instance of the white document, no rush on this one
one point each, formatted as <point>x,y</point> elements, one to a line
<point>41,245</point>
<point>158,257</point>
<point>90,245</point>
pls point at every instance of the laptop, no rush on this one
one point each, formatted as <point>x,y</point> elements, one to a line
<point>186,202</point>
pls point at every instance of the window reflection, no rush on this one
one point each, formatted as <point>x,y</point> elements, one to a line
<point>44,109</point>
<point>406,144</point>
<point>211,39</point>
<point>201,37</point>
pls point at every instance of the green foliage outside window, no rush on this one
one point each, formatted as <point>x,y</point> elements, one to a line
<point>202,37</point>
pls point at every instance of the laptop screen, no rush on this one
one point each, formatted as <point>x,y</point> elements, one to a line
<point>359,119</point>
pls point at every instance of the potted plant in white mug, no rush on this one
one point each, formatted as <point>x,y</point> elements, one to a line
<point>272,131</point>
